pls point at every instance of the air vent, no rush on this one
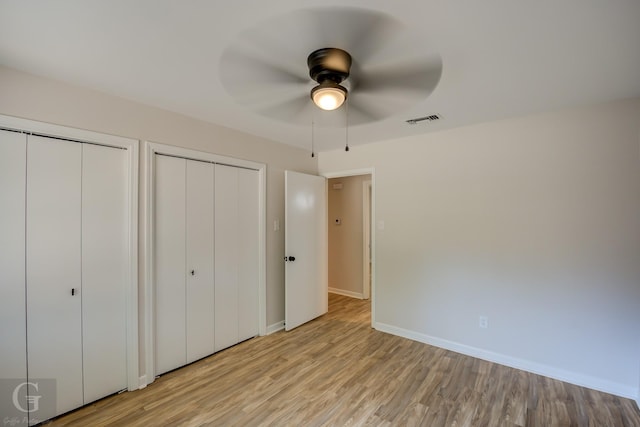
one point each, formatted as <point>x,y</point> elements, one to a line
<point>431,118</point>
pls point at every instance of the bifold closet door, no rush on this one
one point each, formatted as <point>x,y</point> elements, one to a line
<point>13,332</point>
<point>184,260</point>
<point>105,255</point>
<point>236,255</point>
<point>248,259</point>
<point>226,257</point>
<point>169,262</point>
<point>53,270</point>
<point>199,259</point>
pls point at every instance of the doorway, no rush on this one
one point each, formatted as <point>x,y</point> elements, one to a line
<point>350,235</point>
<point>366,240</point>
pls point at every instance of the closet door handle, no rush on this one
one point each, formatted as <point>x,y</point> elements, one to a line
<point>73,291</point>
<point>193,272</point>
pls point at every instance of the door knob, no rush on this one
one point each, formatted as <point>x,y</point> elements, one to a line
<point>291,258</point>
<point>193,272</point>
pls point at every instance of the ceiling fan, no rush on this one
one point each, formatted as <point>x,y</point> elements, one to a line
<point>351,53</point>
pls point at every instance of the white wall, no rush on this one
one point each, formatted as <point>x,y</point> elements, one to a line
<point>27,96</point>
<point>533,222</point>
<point>346,239</point>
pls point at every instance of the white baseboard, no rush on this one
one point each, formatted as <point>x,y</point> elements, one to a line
<point>142,382</point>
<point>525,365</point>
<point>278,326</point>
<point>346,293</point>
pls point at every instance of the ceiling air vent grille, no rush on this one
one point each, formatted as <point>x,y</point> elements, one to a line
<point>431,118</point>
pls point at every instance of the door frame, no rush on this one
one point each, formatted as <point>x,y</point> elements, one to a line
<point>366,238</point>
<point>364,171</point>
<point>148,186</point>
<point>131,146</point>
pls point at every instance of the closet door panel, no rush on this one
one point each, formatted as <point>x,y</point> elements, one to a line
<point>200,262</point>
<point>13,317</point>
<point>226,256</point>
<point>248,260</point>
<point>53,268</point>
<point>169,273</point>
<point>105,255</point>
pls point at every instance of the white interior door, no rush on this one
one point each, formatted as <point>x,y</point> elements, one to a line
<point>305,248</point>
<point>13,332</point>
<point>170,271</point>
<point>105,264</point>
<point>200,260</point>
<point>54,328</point>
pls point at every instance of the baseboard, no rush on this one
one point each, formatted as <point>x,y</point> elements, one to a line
<point>142,382</point>
<point>278,326</point>
<point>346,293</point>
<point>525,365</point>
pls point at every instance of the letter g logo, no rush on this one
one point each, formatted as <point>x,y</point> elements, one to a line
<point>32,401</point>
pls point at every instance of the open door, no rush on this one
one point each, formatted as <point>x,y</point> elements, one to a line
<point>305,248</point>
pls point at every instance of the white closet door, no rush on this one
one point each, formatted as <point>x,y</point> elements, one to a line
<point>248,260</point>
<point>226,256</point>
<point>13,317</point>
<point>105,256</point>
<point>200,267</point>
<point>53,268</point>
<point>170,252</point>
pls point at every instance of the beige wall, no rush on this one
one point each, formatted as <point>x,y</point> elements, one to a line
<point>26,96</point>
<point>533,222</point>
<point>345,240</point>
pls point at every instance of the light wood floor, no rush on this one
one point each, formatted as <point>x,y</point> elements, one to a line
<point>337,371</point>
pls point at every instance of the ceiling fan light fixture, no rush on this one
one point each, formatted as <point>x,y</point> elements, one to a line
<point>329,95</point>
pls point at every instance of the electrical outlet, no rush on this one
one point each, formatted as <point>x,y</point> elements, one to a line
<point>484,322</point>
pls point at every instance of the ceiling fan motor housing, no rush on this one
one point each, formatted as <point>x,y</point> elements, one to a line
<point>330,64</point>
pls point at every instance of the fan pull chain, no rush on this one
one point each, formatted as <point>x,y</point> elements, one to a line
<point>313,154</point>
<point>346,125</point>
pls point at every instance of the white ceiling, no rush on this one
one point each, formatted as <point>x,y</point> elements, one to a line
<point>501,58</point>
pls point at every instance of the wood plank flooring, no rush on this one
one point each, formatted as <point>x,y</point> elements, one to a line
<point>337,371</point>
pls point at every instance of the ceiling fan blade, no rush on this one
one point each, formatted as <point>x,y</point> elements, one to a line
<point>388,90</point>
<point>360,32</point>
<point>363,110</point>
<point>254,78</point>
<point>298,109</point>
<point>418,78</point>
<point>293,36</point>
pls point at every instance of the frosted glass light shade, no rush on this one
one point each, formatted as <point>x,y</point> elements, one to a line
<point>328,96</point>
